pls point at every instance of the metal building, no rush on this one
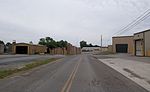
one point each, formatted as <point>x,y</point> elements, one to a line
<point>142,43</point>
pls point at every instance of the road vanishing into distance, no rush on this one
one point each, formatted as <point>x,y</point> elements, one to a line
<point>81,73</point>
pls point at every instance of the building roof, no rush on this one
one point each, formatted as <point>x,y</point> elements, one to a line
<point>28,44</point>
<point>142,32</point>
<point>121,36</point>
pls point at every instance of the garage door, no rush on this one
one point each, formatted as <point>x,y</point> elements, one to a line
<point>21,49</point>
<point>138,48</point>
<point>121,48</point>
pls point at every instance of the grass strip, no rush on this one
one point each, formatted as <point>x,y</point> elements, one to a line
<point>5,73</point>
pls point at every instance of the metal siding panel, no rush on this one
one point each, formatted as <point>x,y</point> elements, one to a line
<point>147,42</point>
<point>138,36</point>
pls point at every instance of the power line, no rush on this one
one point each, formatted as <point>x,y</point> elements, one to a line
<point>135,22</point>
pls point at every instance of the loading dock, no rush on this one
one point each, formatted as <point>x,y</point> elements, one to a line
<point>142,43</point>
<point>138,47</point>
<point>122,48</point>
<point>21,49</point>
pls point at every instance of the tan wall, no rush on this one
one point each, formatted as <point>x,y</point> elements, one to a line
<point>1,48</point>
<point>14,47</point>
<point>110,48</point>
<point>138,36</point>
<point>148,53</point>
<point>32,49</point>
<point>123,40</point>
<point>61,51</point>
<point>78,50</point>
<point>147,43</point>
<point>72,50</point>
<point>36,49</point>
<point>104,49</point>
<point>69,49</point>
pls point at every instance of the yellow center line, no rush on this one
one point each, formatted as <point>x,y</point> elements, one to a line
<point>69,82</point>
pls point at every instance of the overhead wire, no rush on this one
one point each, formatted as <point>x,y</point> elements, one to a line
<point>135,22</point>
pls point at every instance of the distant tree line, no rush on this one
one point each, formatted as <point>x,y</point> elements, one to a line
<point>6,46</point>
<point>51,43</point>
<point>85,44</point>
<point>1,42</point>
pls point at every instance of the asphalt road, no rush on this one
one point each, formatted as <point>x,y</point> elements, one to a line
<point>81,73</point>
<point>13,61</point>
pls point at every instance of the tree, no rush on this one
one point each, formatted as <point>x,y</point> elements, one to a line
<point>1,42</point>
<point>90,45</point>
<point>8,47</point>
<point>83,44</point>
<point>31,42</point>
<point>96,46</point>
<point>62,44</point>
<point>51,43</point>
<point>42,41</point>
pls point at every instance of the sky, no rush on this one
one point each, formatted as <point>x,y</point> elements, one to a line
<point>70,20</point>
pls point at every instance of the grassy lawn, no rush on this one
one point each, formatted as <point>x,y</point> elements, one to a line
<point>5,73</point>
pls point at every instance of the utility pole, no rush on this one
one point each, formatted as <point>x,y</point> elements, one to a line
<point>101,42</point>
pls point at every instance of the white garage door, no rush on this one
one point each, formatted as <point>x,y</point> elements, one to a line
<point>139,48</point>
